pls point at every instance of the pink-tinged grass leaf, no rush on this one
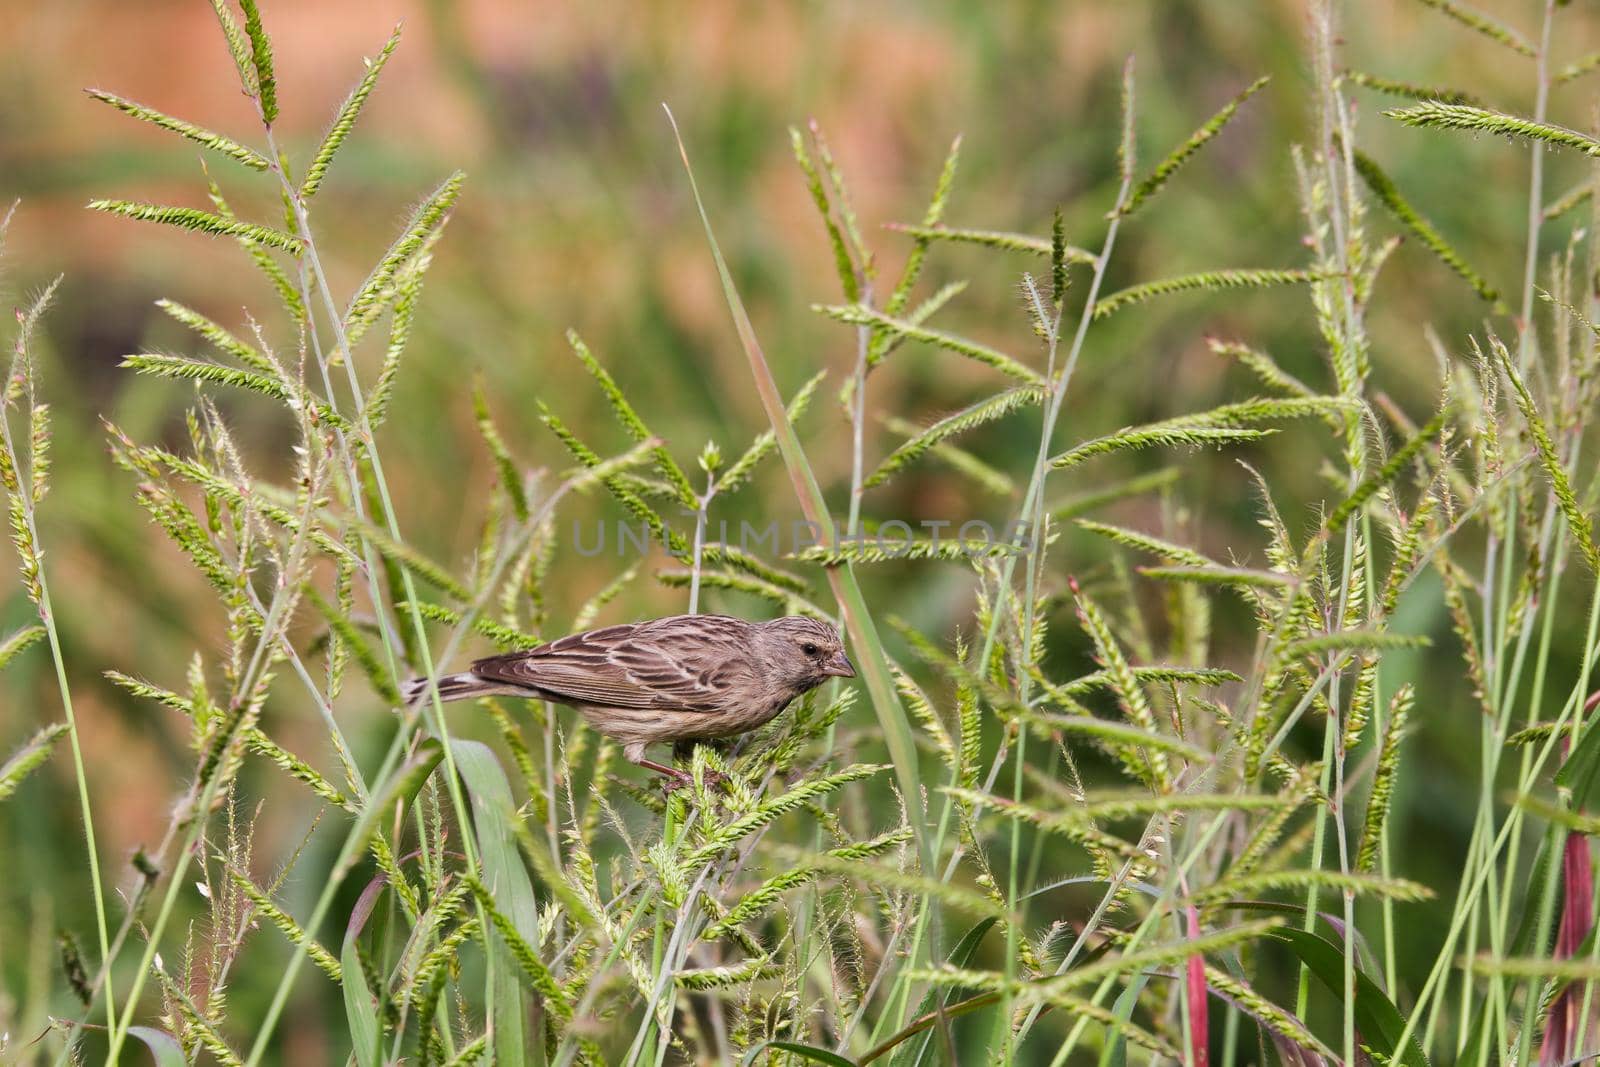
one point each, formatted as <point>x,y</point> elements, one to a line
<point>360,1006</point>
<point>1195,985</point>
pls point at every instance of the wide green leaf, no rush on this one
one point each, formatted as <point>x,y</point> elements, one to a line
<point>810,1053</point>
<point>1378,1020</point>
<point>162,1045</point>
<point>506,879</point>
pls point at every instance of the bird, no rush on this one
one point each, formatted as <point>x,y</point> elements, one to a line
<point>682,678</point>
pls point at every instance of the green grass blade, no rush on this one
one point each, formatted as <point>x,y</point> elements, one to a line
<point>1379,1021</point>
<point>809,1053</point>
<point>162,1045</point>
<point>506,879</point>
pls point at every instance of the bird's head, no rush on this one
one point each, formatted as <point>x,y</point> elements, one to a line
<point>804,652</point>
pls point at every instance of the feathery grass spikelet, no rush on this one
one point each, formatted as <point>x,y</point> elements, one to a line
<point>1353,640</point>
<point>423,226</point>
<point>1146,543</point>
<point>849,283</point>
<point>1578,521</point>
<point>996,239</point>
<point>216,142</point>
<point>27,759</point>
<point>1242,577</point>
<point>533,969</point>
<point>1278,1020</point>
<point>877,347</point>
<point>1380,479</point>
<point>1378,801</point>
<point>1481,120</point>
<point>632,423</point>
<point>1491,29</point>
<point>1209,281</point>
<point>365,656</point>
<point>891,326</point>
<point>1411,90</point>
<point>345,119</point>
<point>1262,365</point>
<point>970,417</point>
<point>225,340</point>
<point>1156,435</point>
<point>1183,153</point>
<point>774,808</point>
<point>1251,886</point>
<point>16,643</point>
<point>921,708</point>
<point>737,475</point>
<point>1388,194</point>
<point>758,900</point>
<point>262,745</point>
<point>266,86</point>
<point>186,218</point>
<point>285,922</point>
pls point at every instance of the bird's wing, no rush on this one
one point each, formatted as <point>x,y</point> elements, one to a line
<point>640,665</point>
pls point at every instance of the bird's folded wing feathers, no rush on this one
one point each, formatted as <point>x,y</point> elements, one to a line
<point>621,667</point>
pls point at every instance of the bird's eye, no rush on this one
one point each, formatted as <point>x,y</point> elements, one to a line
<point>809,649</point>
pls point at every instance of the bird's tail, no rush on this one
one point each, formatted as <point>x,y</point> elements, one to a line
<point>463,686</point>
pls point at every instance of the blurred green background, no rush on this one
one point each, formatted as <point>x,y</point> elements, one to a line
<point>576,213</point>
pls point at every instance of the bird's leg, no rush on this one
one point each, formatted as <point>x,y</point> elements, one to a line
<point>675,779</point>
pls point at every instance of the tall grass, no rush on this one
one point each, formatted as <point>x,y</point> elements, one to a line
<point>1166,856</point>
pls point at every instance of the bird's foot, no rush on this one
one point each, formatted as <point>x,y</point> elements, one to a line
<point>673,779</point>
<point>683,780</point>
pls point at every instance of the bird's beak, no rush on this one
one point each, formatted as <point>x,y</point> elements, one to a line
<point>840,666</point>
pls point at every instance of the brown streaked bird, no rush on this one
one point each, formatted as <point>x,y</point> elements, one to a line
<point>682,678</point>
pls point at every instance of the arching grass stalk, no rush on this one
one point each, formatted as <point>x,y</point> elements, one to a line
<point>46,614</point>
<point>25,485</point>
